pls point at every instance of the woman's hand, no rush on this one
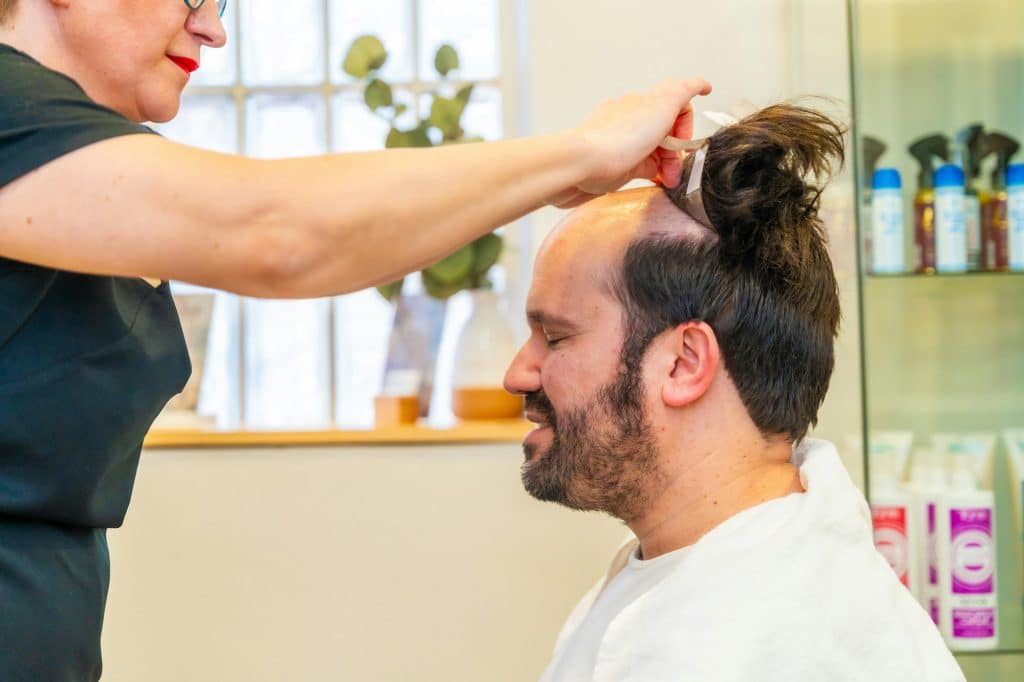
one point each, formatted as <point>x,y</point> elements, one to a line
<point>621,137</point>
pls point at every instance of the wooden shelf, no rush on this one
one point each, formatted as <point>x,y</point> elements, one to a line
<point>510,431</point>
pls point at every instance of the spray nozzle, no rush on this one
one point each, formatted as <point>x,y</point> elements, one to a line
<point>1004,147</point>
<point>926,150</point>
<point>968,145</point>
<point>873,150</point>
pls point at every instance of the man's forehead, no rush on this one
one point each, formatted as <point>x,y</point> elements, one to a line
<point>577,262</point>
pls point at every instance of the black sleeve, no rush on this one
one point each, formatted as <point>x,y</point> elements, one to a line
<point>44,115</point>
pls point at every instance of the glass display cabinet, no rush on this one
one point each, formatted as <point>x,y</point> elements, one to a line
<point>938,118</point>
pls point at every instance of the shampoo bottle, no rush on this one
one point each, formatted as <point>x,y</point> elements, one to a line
<point>966,552</point>
<point>927,486</point>
<point>926,150</point>
<point>892,520</point>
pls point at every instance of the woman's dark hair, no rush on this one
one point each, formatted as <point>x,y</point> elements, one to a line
<point>765,285</point>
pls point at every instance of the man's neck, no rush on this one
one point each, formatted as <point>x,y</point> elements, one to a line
<point>712,487</point>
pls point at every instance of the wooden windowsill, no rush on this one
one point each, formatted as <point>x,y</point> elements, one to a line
<point>510,431</point>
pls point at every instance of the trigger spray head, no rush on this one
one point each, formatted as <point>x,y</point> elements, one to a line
<point>968,149</point>
<point>926,150</point>
<point>1004,147</point>
<point>873,150</point>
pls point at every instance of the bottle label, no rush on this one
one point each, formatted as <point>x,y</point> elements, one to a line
<point>972,550</point>
<point>1016,228</point>
<point>890,524</point>
<point>950,231</point>
<point>974,623</point>
<point>887,232</point>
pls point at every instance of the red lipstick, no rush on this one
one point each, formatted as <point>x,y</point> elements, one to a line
<point>187,65</point>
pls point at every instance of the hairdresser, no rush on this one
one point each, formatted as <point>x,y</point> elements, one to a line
<point>97,213</point>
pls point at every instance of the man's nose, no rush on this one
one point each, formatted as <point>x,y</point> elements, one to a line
<point>523,374</point>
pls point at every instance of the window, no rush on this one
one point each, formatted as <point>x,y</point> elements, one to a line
<point>278,90</point>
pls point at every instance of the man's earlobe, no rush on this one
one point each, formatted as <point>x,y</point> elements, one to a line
<point>696,362</point>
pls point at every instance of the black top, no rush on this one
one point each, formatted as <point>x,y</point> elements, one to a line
<point>86,364</point>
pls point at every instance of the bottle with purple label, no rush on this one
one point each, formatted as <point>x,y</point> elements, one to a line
<point>966,554</point>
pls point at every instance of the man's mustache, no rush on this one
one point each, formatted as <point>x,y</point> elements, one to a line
<point>538,402</point>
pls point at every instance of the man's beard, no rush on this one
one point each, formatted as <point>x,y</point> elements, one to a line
<point>602,456</point>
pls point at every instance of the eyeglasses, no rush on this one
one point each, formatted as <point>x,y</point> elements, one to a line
<point>196,4</point>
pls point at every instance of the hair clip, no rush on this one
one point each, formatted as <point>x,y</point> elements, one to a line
<point>693,201</point>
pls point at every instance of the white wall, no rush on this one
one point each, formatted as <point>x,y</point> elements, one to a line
<point>428,563</point>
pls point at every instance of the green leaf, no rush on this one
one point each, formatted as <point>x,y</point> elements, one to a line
<point>389,291</point>
<point>455,267</point>
<point>378,94</point>
<point>416,137</point>
<point>486,252</point>
<point>401,109</point>
<point>445,114</point>
<point>366,54</point>
<point>438,289</point>
<point>464,94</point>
<point>446,59</point>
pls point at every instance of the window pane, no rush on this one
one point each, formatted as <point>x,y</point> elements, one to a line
<point>389,20</point>
<point>217,66</point>
<point>471,26</point>
<point>362,328</point>
<point>285,125</point>
<point>483,115</point>
<point>287,366</point>
<point>283,42</point>
<point>357,129</point>
<point>209,122</point>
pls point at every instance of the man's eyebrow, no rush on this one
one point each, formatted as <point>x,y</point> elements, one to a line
<point>544,319</point>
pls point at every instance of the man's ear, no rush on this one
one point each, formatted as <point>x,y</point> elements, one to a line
<point>696,359</point>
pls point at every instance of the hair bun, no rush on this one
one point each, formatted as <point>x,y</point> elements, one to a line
<point>762,182</point>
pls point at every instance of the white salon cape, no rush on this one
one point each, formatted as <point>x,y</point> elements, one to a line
<point>792,590</point>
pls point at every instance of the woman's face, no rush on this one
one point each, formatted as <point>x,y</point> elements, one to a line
<point>134,56</point>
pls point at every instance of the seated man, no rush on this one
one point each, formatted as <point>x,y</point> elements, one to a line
<point>681,345</point>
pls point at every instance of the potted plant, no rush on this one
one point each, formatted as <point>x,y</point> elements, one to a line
<point>484,339</point>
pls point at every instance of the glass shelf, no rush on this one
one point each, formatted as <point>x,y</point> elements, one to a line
<point>944,352</point>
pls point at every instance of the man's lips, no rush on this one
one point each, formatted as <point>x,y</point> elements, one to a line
<point>187,65</point>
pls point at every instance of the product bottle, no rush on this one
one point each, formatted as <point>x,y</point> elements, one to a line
<point>873,149</point>
<point>894,531</point>
<point>966,552</point>
<point>926,150</point>
<point>968,157</point>
<point>950,227</point>
<point>994,203</point>
<point>1015,211</point>
<point>886,222</point>
<point>927,486</point>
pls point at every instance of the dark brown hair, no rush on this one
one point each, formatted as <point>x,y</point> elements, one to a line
<point>765,285</point>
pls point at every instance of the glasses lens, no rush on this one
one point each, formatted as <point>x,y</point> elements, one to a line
<point>221,6</point>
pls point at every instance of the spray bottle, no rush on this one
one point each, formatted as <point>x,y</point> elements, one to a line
<point>873,149</point>
<point>968,157</point>
<point>950,223</point>
<point>1015,189</point>
<point>926,150</point>
<point>995,222</point>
